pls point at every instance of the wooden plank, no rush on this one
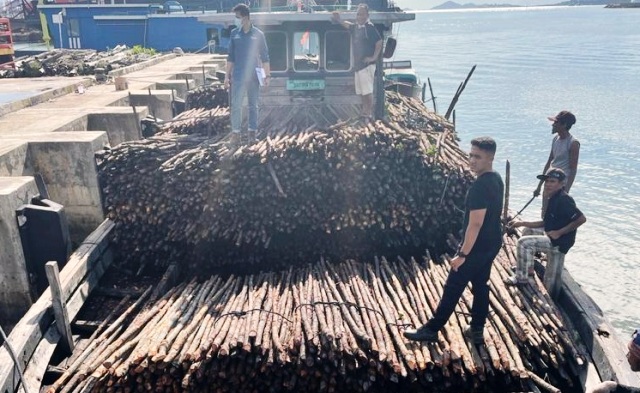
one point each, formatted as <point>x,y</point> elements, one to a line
<point>40,360</point>
<point>168,280</point>
<point>59,306</point>
<point>83,291</point>
<point>589,377</point>
<point>606,348</point>
<point>27,333</point>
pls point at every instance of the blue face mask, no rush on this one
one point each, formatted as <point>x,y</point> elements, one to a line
<point>238,22</point>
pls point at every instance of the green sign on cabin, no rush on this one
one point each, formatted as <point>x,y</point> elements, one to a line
<point>305,84</point>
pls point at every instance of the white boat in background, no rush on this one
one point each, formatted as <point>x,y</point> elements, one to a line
<point>399,76</point>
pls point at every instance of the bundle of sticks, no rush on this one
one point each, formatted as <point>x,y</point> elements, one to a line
<point>343,192</point>
<point>325,327</point>
<point>200,121</point>
<point>208,97</point>
<point>75,62</point>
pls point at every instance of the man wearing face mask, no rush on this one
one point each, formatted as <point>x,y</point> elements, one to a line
<point>367,45</point>
<point>248,53</point>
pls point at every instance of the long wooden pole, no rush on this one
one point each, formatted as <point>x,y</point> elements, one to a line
<point>507,184</point>
<point>454,101</point>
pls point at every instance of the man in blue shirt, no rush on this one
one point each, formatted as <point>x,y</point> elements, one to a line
<point>248,57</point>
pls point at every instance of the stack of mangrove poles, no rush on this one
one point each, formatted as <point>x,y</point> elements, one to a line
<point>208,97</point>
<point>324,327</point>
<point>206,122</point>
<point>344,192</point>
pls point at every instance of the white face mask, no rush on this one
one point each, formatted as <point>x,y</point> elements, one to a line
<point>238,22</point>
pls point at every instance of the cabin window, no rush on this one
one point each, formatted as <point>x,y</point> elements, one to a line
<point>277,44</point>
<point>306,52</point>
<point>337,50</point>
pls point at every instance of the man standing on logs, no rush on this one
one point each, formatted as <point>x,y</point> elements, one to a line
<point>482,239</point>
<point>367,45</point>
<point>565,150</point>
<point>248,68</point>
<point>561,219</point>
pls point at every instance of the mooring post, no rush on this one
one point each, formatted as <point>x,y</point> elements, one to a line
<point>152,106</point>
<point>553,273</point>
<point>59,307</point>
<point>433,98</point>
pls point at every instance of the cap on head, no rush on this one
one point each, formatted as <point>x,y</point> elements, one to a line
<point>553,173</point>
<point>565,117</point>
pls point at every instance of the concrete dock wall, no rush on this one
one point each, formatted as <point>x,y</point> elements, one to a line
<point>15,295</point>
<point>13,161</point>
<point>66,161</point>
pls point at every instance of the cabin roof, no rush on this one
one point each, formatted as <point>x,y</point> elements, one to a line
<point>278,18</point>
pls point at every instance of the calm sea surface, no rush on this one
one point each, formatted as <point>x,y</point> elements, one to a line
<point>532,63</point>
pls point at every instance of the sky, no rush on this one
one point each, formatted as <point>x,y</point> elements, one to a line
<point>428,4</point>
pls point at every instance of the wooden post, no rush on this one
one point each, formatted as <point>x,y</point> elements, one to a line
<point>457,95</point>
<point>204,76</point>
<point>59,307</point>
<point>137,120</point>
<point>173,104</point>
<point>507,183</point>
<point>553,273</point>
<point>152,106</point>
<point>433,98</point>
<point>186,79</point>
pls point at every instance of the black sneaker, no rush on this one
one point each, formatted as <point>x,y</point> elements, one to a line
<point>474,334</point>
<point>421,334</point>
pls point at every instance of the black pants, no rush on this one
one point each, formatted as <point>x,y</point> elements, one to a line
<point>476,269</point>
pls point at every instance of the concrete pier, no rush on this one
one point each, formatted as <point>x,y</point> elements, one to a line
<point>53,128</point>
<point>15,293</point>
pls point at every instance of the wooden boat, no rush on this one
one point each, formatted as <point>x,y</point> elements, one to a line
<point>45,331</point>
<point>399,76</point>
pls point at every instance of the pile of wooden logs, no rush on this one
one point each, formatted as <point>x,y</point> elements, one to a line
<point>208,97</point>
<point>74,62</point>
<point>325,327</point>
<point>344,192</point>
<point>206,122</point>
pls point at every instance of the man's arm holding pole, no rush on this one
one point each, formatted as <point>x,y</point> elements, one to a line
<point>546,167</point>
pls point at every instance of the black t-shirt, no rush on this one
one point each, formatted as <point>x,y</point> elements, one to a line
<point>561,211</point>
<point>486,193</point>
<point>364,41</point>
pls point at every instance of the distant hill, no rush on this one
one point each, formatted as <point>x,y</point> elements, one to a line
<point>452,5</point>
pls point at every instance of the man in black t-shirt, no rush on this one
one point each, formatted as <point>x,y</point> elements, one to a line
<point>367,45</point>
<point>561,219</point>
<point>482,239</point>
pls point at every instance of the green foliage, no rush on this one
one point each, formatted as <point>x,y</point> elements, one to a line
<point>138,49</point>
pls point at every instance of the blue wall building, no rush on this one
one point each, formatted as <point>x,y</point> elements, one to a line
<point>102,26</point>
